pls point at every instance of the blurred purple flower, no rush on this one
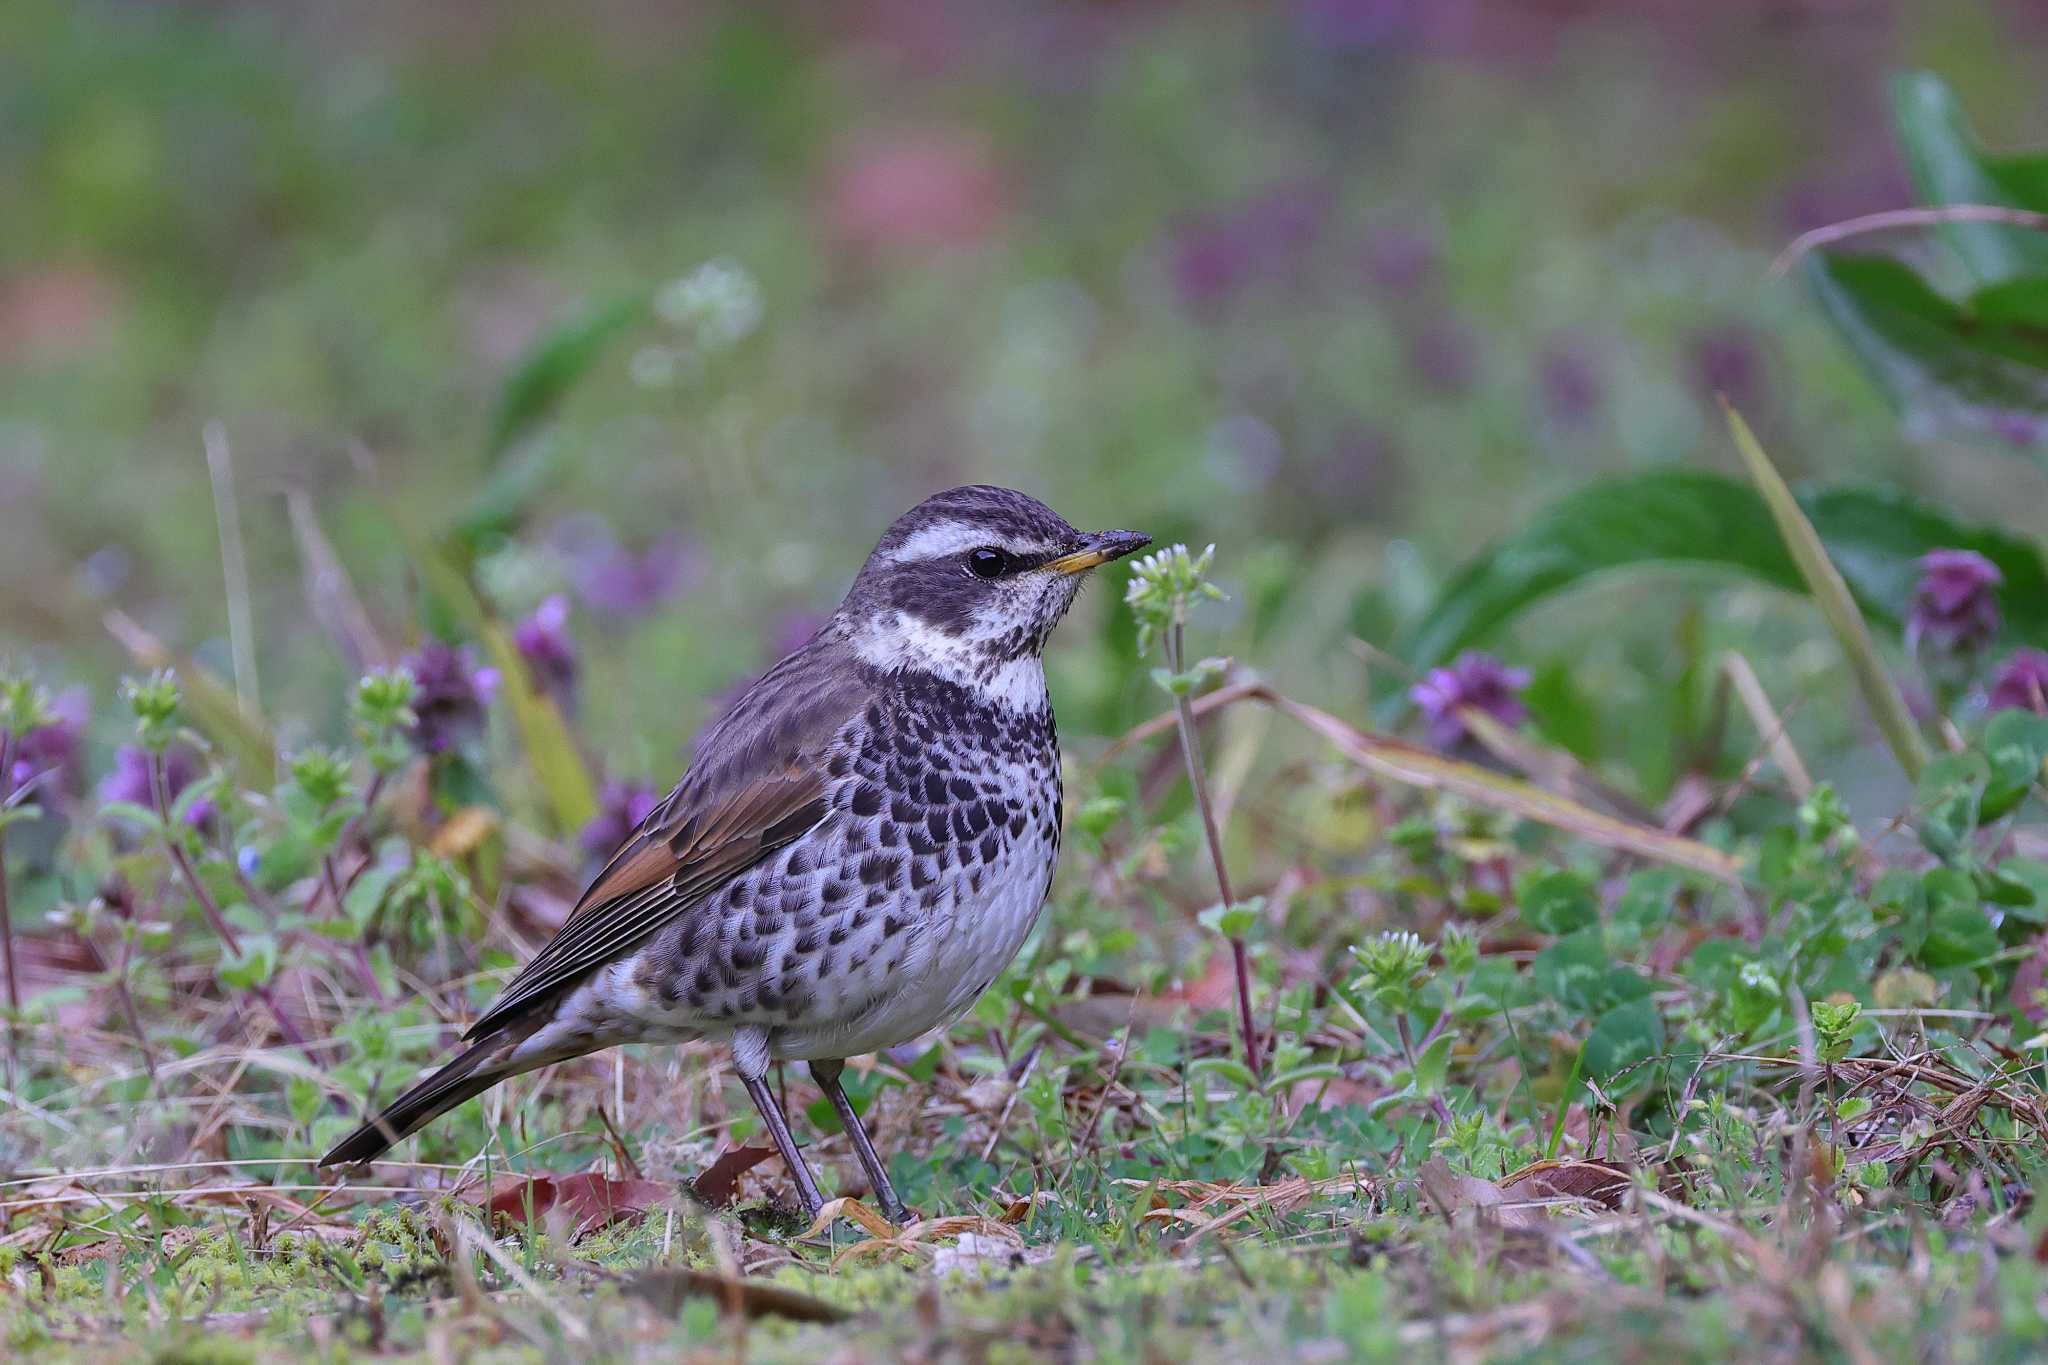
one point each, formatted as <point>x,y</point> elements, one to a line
<point>1210,260</point>
<point>1347,24</point>
<point>544,641</point>
<point>1400,260</point>
<point>1445,356</point>
<point>1213,257</point>
<point>450,694</point>
<point>130,781</point>
<point>1477,680</point>
<point>2021,683</point>
<point>621,806</point>
<point>1353,474</point>
<point>1726,360</point>
<point>54,749</point>
<point>1955,603</point>
<point>2017,428</point>
<point>619,583</point>
<point>1569,382</point>
<point>1283,222</point>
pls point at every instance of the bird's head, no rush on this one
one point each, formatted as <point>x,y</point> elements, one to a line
<point>970,582</point>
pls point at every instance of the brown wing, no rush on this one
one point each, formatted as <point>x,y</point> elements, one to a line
<point>759,782</point>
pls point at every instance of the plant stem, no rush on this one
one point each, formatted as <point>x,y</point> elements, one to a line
<point>207,905</point>
<point>7,916</point>
<point>1184,711</point>
<point>1436,1102</point>
<point>359,956</point>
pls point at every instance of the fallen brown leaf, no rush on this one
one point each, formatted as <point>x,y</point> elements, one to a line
<point>719,1185</point>
<point>589,1201</point>
<point>1605,1183</point>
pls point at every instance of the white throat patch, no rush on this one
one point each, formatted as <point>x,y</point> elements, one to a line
<point>898,640</point>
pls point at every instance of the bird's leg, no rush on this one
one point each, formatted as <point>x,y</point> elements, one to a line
<point>826,1074</point>
<point>778,1128</point>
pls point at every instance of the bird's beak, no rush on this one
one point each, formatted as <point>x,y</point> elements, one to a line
<point>1102,547</point>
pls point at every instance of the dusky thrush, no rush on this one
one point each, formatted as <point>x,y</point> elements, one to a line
<point>861,844</point>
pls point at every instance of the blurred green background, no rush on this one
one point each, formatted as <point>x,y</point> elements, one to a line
<point>1347,286</point>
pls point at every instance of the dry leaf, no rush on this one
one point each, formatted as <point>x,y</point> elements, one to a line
<point>1605,1183</point>
<point>719,1185</point>
<point>588,1202</point>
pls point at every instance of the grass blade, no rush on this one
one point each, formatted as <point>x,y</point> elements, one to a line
<point>1825,582</point>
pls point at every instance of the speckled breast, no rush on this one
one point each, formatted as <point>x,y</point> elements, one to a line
<point>892,914</point>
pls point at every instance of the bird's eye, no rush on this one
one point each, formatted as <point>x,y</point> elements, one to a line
<point>987,562</point>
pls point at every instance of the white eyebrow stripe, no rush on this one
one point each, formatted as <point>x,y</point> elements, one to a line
<point>948,538</point>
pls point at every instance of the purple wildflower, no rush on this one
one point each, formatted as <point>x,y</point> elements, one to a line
<point>1353,475</point>
<point>2017,429</point>
<point>1955,603</point>
<point>1343,25</point>
<point>1400,261</point>
<point>544,641</point>
<point>130,781</point>
<point>621,806</point>
<point>450,695</point>
<point>1213,257</point>
<point>1726,361</point>
<point>1477,680</point>
<point>53,749</point>
<point>1569,381</point>
<point>620,583</point>
<point>1210,259</point>
<point>1445,356</point>
<point>2021,683</point>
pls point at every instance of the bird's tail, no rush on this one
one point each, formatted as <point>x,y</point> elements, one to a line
<point>476,1069</point>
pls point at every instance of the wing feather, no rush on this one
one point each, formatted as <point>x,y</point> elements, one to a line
<point>759,783</point>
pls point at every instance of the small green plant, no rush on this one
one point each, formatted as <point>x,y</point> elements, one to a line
<point>1163,585</point>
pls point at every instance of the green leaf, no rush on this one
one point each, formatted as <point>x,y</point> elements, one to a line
<point>1626,1035</point>
<point>515,484</point>
<point>2016,743</point>
<point>1949,167</point>
<point>1679,517</point>
<point>1433,1066</point>
<point>1976,370</point>
<point>1949,797</point>
<point>554,363</point>
<point>1570,970</point>
<point>1825,582</point>
<point>253,966</point>
<point>1235,1072</point>
<point>1557,902</point>
<point>1645,903</point>
<point>127,812</point>
<point>1959,933</point>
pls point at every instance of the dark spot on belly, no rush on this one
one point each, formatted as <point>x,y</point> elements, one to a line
<point>881,869</point>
